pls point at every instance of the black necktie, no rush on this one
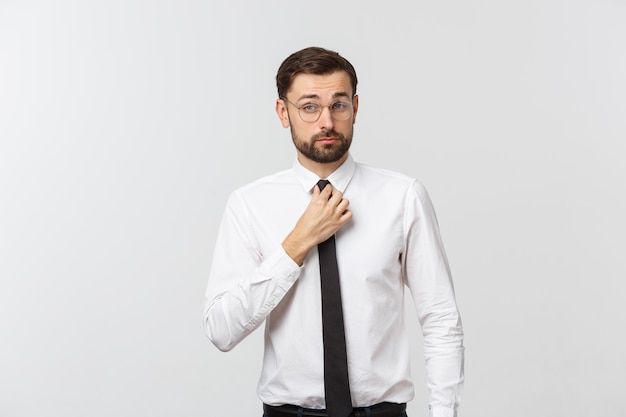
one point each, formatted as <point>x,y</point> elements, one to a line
<point>336,385</point>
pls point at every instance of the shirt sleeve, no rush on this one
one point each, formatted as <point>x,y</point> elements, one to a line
<point>427,274</point>
<point>244,284</point>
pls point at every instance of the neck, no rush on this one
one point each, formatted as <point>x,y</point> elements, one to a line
<point>321,169</point>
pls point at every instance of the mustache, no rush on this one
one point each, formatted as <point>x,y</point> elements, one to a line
<point>328,134</point>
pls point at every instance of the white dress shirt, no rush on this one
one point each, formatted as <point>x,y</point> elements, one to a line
<point>391,243</point>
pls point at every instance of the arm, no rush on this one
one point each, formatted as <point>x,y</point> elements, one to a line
<point>245,285</point>
<point>428,276</point>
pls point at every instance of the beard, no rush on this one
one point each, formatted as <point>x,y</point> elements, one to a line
<point>323,153</point>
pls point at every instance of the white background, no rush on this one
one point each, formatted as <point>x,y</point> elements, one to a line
<point>125,124</point>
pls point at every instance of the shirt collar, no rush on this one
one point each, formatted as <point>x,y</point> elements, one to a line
<point>339,179</point>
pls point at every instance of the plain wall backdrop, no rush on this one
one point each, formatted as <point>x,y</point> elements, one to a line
<point>124,125</point>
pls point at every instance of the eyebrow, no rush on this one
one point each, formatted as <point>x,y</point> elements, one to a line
<point>339,94</point>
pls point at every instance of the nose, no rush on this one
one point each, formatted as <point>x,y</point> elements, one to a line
<point>326,120</point>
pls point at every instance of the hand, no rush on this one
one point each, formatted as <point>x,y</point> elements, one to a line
<point>325,214</point>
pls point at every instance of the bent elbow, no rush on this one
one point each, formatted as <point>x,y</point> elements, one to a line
<point>219,335</point>
<point>224,344</point>
<point>221,346</point>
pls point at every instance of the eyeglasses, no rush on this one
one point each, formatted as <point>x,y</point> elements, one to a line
<point>310,112</point>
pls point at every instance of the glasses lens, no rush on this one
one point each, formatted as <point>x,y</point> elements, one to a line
<point>310,112</point>
<point>341,110</point>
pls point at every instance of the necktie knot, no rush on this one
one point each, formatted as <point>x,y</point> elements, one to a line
<point>322,184</point>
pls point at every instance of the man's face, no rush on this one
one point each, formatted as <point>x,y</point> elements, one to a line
<point>325,140</point>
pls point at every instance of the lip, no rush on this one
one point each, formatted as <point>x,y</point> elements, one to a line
<point>328,140</point>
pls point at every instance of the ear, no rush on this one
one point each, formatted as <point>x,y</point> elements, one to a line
<point>355,106</point>
<point>281,111</point>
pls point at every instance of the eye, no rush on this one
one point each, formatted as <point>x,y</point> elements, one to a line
<point>310,108</point>
<point>340,106</point>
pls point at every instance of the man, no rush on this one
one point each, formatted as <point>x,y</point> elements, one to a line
<point>382,224</point>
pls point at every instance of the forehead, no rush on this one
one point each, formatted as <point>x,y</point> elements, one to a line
<point>320,86</point>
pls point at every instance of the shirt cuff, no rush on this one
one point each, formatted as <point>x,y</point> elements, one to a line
<point>441,412</point>
<point>281,268</point>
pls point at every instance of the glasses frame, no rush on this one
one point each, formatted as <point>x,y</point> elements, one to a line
<point>319,114</point>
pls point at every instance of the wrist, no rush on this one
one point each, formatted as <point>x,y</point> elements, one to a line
<point>296,249</point>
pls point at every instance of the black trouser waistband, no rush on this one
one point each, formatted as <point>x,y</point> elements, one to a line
<point>378,410</point>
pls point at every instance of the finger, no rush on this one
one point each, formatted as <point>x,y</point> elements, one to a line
<point>345,216</point>
<point>343,205</point>
<point>336,197</point>
<point>327,192</point>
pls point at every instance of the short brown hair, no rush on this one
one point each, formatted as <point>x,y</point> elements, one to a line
<point>312,60</point>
